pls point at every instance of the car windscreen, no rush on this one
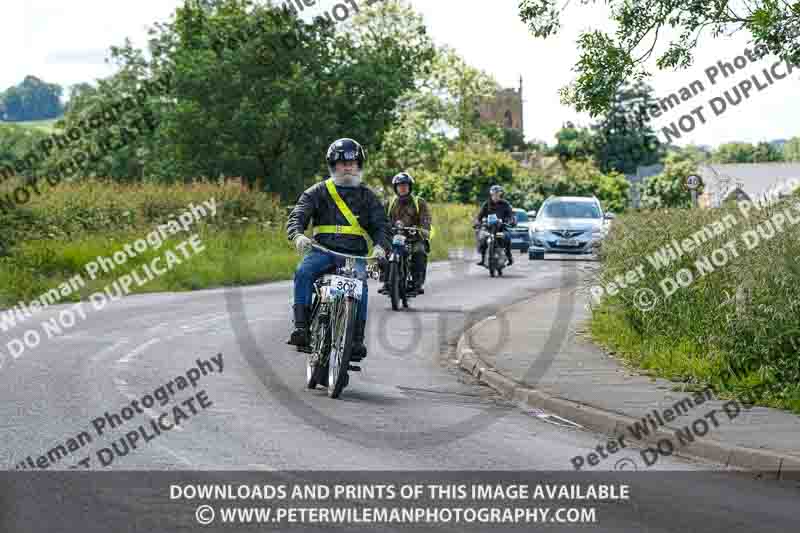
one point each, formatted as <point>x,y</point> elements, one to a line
<point>571,210</point>
<point>521,216</point>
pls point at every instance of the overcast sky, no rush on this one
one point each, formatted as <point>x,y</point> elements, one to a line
<point>67,42</point>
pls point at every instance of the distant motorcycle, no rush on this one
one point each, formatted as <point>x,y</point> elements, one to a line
<point>398,269</point>
<point>491,230</point>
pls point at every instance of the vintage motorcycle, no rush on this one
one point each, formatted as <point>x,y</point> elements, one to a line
<point>491,229</point>
<point>333,319</point>
<point>398,267</point>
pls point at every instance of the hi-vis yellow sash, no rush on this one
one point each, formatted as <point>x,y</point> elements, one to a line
<point>416,206</point>
<point>353,229</point>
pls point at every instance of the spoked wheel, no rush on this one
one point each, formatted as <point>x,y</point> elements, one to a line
<point>492,260</point>
<point>394,285</point>
<point>320,346</point>
<point>341,346</point>
<point>404,287</point>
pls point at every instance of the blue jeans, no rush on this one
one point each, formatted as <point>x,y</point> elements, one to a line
<point>312,266</point>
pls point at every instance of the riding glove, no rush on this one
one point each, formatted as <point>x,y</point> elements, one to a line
<point>302,243</point>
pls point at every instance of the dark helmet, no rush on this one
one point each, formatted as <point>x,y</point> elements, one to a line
<point>496,189</point>
<point>403,177</point>
<point>345,150</point>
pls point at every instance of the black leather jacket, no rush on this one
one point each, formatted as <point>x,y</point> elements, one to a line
<point>316,203</point>
<point>502,209</point>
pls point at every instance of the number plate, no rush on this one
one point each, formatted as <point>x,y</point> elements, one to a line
<point>399,239</point>
<point>349,286</point>
<point>567,242</point>
<point>516,240</point>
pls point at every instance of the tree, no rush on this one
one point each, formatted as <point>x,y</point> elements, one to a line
<point>409,145</point>
<point>454,91</point>
<point>78,92</point>
<point>442,101</point>
<point>574,143</point>
<point>668,189</point>
<point>624,139</point>
<point>32,99</point>
<point>607,61</point>
<point>695,153</point>
<point>258,93</point>
<point>469,171</point>
<point>16,143</point>
<point>791,150</point>
<point>579,178</point>
<point>741,152</point>
<point>733,152</point>
<point>767,153</point>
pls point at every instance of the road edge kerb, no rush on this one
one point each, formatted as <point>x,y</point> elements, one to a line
<point>780,465</point>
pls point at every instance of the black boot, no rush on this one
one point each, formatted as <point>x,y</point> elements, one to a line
<point>384,288</point>
<point>510,258</point>
<point>482,262</point>
<point>416,283</point>
<point>300,336</point>
<point>359,351</point>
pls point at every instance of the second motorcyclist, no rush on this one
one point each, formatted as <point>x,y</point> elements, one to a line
<point>411,210</point>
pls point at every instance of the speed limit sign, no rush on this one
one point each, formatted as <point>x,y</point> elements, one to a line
<point>693,182</point>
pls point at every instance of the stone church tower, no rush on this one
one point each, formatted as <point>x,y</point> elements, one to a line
<point>505,109</point>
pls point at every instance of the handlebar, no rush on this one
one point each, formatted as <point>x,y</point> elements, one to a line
<point>329,251</point>
<point>423,231</point>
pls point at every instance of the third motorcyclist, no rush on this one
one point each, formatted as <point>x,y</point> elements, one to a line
<point>498,206</point>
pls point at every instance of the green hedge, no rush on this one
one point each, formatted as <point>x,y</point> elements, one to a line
<point>736,328</point>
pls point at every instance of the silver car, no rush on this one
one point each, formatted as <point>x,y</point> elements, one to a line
<point>568,225</point>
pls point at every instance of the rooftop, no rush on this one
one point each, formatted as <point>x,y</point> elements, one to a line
<point>755,179</point>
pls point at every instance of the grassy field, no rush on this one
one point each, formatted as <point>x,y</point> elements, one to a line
<point>735,326</point>
<point>47,126</point>
<point>52,239</point>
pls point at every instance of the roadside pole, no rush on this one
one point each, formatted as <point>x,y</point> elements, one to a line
<point>692,183</point>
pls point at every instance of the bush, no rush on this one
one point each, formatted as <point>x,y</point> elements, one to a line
<point>668,189</point>
<point>580,178</point>
<point>470,171</point>
<point>51,239</point>
<point>735,328</point>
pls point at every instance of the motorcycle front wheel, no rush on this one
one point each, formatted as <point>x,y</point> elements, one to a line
<point>341,345</point>
<point>394,284</point>
<point>492,260</point>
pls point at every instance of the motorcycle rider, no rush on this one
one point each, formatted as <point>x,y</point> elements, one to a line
<point>345,212</point>
<point>500,207</point>
<point>411,210</point>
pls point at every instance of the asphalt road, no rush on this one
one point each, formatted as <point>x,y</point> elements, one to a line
<point>410,409</point>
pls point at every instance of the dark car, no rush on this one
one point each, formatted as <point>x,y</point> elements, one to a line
<point>520,235</point>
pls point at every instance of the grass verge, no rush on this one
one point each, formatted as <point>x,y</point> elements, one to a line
<point>734,324</point>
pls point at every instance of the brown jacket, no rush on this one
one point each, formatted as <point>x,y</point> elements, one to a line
<point>404,210</point>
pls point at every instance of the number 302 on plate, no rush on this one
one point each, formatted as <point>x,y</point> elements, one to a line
<point>349,286</point>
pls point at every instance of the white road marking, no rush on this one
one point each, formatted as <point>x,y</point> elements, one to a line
<point>105,351</point>
<point>139,349</point>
